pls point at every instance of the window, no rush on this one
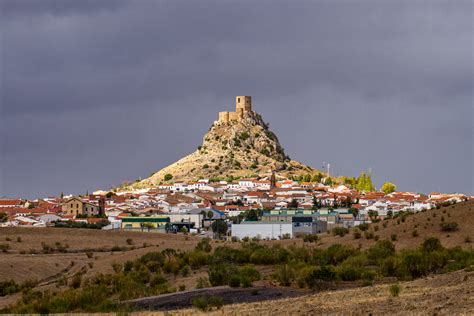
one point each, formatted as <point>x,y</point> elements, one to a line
<point>238,100</point>
<point>72,205</point>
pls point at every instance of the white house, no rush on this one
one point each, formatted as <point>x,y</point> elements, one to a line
<point>262,230</point>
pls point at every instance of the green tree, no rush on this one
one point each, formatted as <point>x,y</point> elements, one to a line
<point>373,215</point>
<point>219,227</point>
<point>317,177</point>
<point>168,177</point>
<point>293,204</point>
<point>307,178</point>
<point>3,217</point>
<point>388,187</point>
<point>354,212</point>
<point>369,185</point>
<point>364,183</point>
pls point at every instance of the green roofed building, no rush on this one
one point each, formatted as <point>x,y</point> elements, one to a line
<point>145,223</point>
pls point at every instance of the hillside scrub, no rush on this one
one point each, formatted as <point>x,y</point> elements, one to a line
<point>294,266</point>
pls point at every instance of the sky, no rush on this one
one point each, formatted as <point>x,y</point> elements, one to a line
<point>97,92</point>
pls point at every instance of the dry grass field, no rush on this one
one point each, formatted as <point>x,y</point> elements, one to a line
<point>21,264</point>
<point>447,294</point>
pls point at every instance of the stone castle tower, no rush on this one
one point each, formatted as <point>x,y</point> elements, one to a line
<point>243,104</point>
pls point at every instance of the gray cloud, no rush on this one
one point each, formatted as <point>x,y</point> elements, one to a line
<point>108,91</point>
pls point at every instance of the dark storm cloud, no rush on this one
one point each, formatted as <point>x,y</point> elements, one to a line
<point>103,91</point>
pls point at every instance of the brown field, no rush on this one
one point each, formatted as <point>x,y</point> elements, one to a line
<point>447,294</point>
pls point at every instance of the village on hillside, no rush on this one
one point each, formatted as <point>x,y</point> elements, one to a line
<point>245,208</point>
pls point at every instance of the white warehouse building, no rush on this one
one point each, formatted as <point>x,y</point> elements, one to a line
<point>262,230</point>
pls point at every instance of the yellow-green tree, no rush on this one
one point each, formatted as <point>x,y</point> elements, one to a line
<point>388,187</point>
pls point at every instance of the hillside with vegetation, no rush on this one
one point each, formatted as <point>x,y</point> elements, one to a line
<point>453,225</point>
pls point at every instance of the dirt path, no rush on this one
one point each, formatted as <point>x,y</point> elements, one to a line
<point>228,294</point>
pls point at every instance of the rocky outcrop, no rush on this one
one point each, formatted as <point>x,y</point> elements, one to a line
<point>240,148</point>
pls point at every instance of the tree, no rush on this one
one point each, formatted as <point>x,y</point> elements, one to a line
<point>354,212</point>
<point>210,214</point>
<point>219,227</point>
<point>317,177</point>
<point>328,181</point>
<point>307,178</point>
<point>3,217</point>
<point>388,187</point>
<point>373,215</point>
<point>168,177</point>
<point>364,183</point>
<point>293,204</point>
<point>252,215</point>
<point>369,185</point>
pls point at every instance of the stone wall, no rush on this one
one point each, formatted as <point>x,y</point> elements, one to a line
<point>242,104</point>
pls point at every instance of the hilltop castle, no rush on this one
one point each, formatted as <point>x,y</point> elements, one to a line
<point>243,104</point>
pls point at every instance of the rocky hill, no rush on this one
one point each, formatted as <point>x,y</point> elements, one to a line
<point>239,147</point>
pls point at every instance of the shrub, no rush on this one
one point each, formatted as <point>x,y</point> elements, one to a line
<point>18,239</point>
<point>9,287</point>
<point>347,273</point>
<point>234,281</point>
<point>335,254</point>
<point>431,244</point>
<point>207,303</point>
<point>393,237</point>
<point>4,247</point>
<point>129,241</point>
<point>284,275</point>
<point>202,283</point>
<point>250,273</point>
<point>197,259</point>
<point>449,226</point>
<point>182,287</point>
<point>395,290</point>
<point>219,274</point>
<point>369,235</point>
<point>357,234</point>
<point>89,254</point>
<point>169,176</point>
<point>185,271</point>
<point>324,273</point>
<point>204,245</point>
<point>340,231</point>
<point>414,233</point>
<point>381,250</point>
<point>363,227</point>
<point>310,238</point>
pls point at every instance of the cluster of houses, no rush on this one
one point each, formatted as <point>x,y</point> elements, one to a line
<point>286,208</point>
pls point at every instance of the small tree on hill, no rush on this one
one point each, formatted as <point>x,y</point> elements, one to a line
<point>168,177</point>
